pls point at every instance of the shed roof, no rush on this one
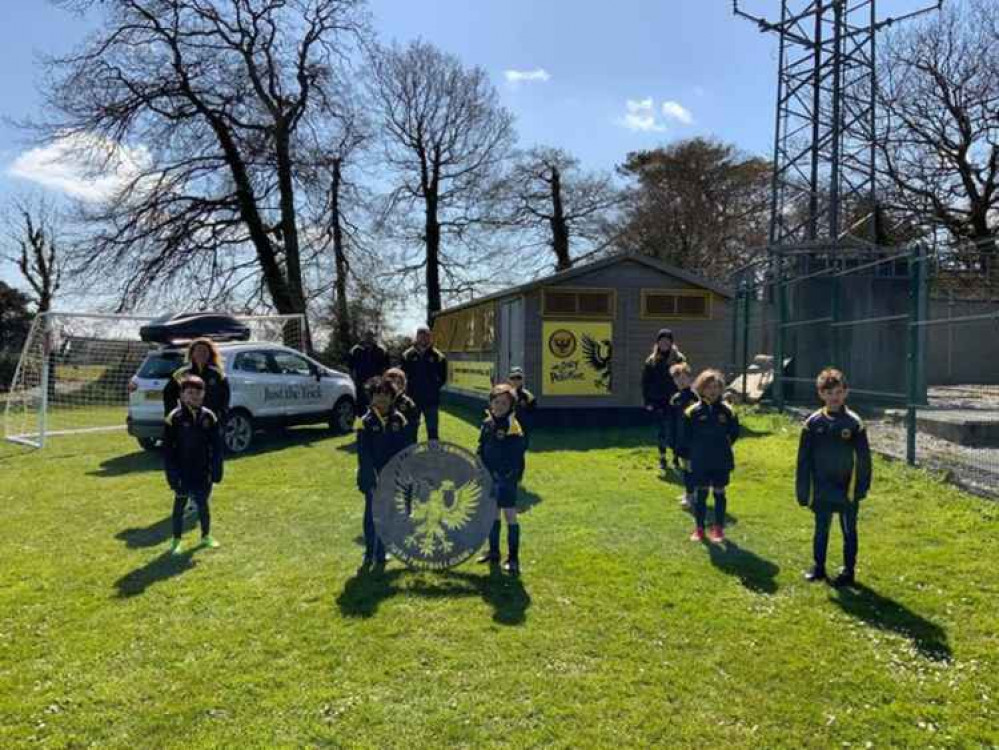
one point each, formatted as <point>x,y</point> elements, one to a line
<point>596,265</point>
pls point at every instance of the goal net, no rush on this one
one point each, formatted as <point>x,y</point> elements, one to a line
<point>74,371</point>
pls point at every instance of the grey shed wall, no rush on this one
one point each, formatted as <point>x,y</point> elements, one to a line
<point>705,342</point>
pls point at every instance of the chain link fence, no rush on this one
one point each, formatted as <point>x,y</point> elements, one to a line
<point>916,331</point>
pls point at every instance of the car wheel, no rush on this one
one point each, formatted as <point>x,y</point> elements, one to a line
<point>148,444</point>
<point>238,434</point>
<point>342,419</point>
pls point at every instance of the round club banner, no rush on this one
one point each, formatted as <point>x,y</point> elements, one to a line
<point>433,505</point>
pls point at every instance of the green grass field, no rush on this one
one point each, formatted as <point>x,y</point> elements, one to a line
<point>619,633</point>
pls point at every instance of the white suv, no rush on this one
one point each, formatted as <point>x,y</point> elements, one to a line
<point>271,386</point>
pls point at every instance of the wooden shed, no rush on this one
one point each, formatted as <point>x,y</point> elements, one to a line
<point>582,335</point>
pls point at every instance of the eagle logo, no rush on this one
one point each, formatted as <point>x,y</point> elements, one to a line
<point>562,343</point>
<point>433,505</point>
<point>597,355</point>
<point>436,511</point>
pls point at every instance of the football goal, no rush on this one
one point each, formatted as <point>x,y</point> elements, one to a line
<point>74,371</point>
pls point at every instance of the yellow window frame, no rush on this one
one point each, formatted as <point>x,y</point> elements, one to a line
<point>611,315</point>
<point>708,296</point>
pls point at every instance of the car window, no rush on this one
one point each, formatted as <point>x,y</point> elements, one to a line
<point>253,362</point>
<point>161,365</point>
<point>291,364</point>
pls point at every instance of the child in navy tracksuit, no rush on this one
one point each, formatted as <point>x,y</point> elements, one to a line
<point>526,402</point>
<point>829,480</point>
<point>404,404</point>
<point>382,433</point>
<point>707,431</point>
<point>501,448</point>
<point>193,456</point>
<point>683,399</point>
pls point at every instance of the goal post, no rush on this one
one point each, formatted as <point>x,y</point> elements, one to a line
<point>74,370</point>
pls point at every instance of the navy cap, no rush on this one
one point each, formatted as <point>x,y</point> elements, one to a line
<point>664,333</point>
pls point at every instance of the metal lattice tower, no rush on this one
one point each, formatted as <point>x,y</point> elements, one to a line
<point>824,143</point>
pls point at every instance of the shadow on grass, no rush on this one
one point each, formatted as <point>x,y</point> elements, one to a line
<point>527,500</point>
<point>364,593</point>
<point>263,442</point>
<point>747,433</point>
<point>130,463</point>
<point>19,454</point>
<point>755,573</point>
<point>269,441</point>
<point>886,614</point>
<point>158,569</point>
<point>158,533</point>
<point>638,431</point>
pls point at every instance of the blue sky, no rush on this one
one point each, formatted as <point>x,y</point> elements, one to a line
<point>597,78</point>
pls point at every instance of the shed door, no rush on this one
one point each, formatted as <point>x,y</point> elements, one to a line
<point>511,336</point>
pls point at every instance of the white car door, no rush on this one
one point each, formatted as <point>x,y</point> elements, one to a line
<point>256,385</point>
<point>303,392</point>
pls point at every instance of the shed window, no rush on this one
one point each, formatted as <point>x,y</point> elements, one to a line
<point>470,330</point>
<point>580,303</point>
<point>560,303</point>
<point>676,304</point>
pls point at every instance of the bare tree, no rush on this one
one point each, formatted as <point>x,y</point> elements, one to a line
<point>697,204</point>
<point>446,136</point>
<point>939,142</point>
<point>336,196</point>
<point>206,104</point>
<point>34,242</point>
<point>557,203</point>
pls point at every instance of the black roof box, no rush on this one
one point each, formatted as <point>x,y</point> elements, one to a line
<point>181,328</point>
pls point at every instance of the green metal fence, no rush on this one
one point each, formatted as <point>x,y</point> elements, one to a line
<point>916,331</point>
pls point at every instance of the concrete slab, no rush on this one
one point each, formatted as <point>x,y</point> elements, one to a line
<point>975,428</point>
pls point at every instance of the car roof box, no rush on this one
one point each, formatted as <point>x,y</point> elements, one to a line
<point>181,328</point>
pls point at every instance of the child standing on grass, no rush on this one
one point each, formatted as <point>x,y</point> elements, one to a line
<point>707,431</point>
<point>501,448</point>
<point>834,474</point>
<point>405,405</point>
<point>382,433</point>
<point>683,399</point>
<point>526,403</point>
<point>193,456</point>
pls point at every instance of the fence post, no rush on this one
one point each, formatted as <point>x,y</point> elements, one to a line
<point>745,340</point>
<point>779,339</point>
<point>913,353</point>
<point>735,327</point>
<point>834,313</point>
<point>926,267</point>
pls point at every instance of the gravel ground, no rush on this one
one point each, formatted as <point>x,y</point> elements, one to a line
<point>971,468</point>
<point>974,469</point>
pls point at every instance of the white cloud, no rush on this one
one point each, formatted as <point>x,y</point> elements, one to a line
<point>516,77</point>
<point>75,165</point>
<point>640,116</point>
<point>679,113</point>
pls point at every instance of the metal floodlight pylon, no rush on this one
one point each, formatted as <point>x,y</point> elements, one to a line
<point>826,131</point>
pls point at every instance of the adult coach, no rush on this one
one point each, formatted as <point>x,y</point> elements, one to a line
<point>205,361</point>
<point>658,389</point>
<point>426,374</point>
<point>366,360</point>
